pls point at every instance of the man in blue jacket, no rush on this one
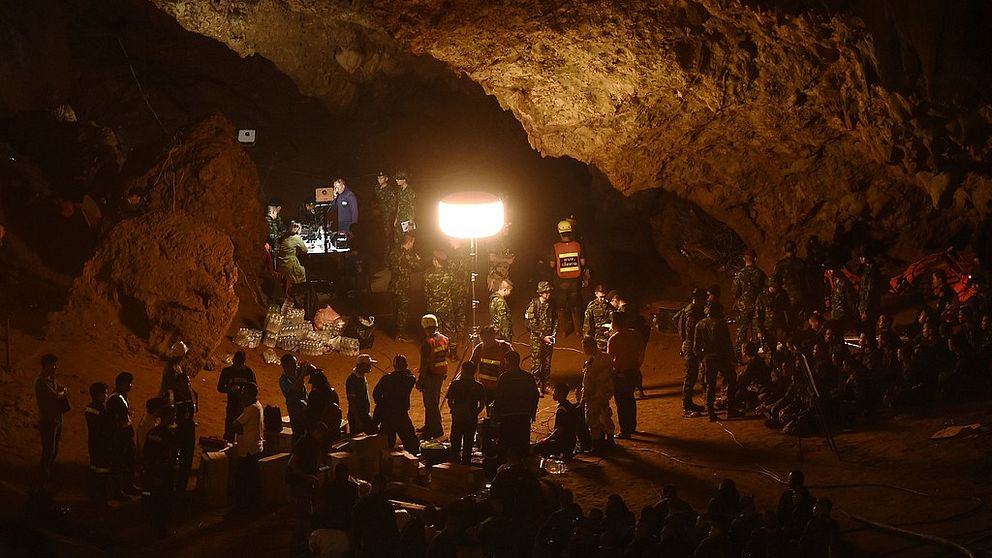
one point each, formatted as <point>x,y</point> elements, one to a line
<point>346,205</point>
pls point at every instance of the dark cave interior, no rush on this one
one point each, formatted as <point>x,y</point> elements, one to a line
<point>677,133</point>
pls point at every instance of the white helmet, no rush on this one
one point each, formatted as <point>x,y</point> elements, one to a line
<point>178,349</point>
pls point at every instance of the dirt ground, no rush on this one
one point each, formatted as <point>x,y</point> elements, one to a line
<point>694,454</point>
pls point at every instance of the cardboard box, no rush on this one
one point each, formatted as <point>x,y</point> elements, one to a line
<point>368,447</point>
<point>399,466</point>
<point>272,477</point>
<point>279,443</point>
<point>213,479</point>
<point>456,479</point>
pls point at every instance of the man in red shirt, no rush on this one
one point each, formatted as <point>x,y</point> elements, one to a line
<point>626,348</point>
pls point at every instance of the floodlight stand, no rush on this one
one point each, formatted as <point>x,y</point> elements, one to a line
<point>473,252</point>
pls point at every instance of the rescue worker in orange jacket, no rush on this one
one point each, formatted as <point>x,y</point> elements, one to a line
<point>433,370</point>
<point>488,357</point>
<point>569,264</point>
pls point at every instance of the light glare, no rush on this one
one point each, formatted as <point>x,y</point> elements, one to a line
<point>470,215</point>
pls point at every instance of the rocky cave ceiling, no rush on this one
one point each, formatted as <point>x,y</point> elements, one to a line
<point>778,122</point>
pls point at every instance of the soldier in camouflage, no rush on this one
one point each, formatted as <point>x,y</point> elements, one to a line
<point>869,294</point>
<point>403,261</point>
<point>685,324</point>
<point>595,393</point>
<point>843,301</point>
<point>405,218</point>
<point>749,281</point>
<point>275,223</point>
<point>712,346</point>
<point>438,286</point>
<point>385,196</point>
<point>499,311</point>
<point>542,322</point>
<point>772,315</point>
<point>459,266</point>
<point>790,273</point>
<point>599,312</point>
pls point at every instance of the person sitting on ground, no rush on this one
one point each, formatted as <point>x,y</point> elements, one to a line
<point>618,524</point>
<point>756,374</point>
<point>671,506</point>
<point>561,440</point>
<point>466,399</point>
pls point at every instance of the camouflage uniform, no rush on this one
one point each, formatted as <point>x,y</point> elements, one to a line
<point>686,321</point>
<point>276,229</point>
<point>597,313</point>
<point>597,389</point>
<point>405,202</point>
<point>843,302</point>
<point>499,314</point>
<point>402,263</point>
<point>790,274</point>
<point>438,286</point>
<point>542,321</point>
<point>386,197</point>
<point>869,297</point>
<point>748,284</point>
<point>771,312</point>
<point>458,264</point>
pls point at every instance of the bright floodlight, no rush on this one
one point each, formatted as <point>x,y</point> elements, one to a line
<point>470,215</point>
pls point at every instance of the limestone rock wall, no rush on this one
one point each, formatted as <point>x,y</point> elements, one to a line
<point>154,281</point>
<point>772,118</point>
<point>208,175</point>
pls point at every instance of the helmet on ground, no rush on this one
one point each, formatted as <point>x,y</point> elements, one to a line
<point>564,226</point>
<point>429,320</point>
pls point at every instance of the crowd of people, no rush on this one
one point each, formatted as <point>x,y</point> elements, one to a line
<point>789,357</point>
<point>817,353</point>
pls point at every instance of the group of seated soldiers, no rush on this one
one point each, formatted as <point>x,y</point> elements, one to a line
<point>803,368</point>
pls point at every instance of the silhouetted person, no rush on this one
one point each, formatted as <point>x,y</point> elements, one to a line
<point>392,406</point>
<point>514,407</point>
<point>356,389</point>
<point>123,443</point>
<point>53,402</point>
<point>466,398</point>
<point>821,533</point>
<point>99,442</point>
<point>161,457</point>
<point>248,427</point>
<point>324,405</point>
<point>179,390</point>
<point>232,382</point>
<point>374,532</point>
<point>561,440</point>
<point>295,394</point>
<point>303,476</point>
